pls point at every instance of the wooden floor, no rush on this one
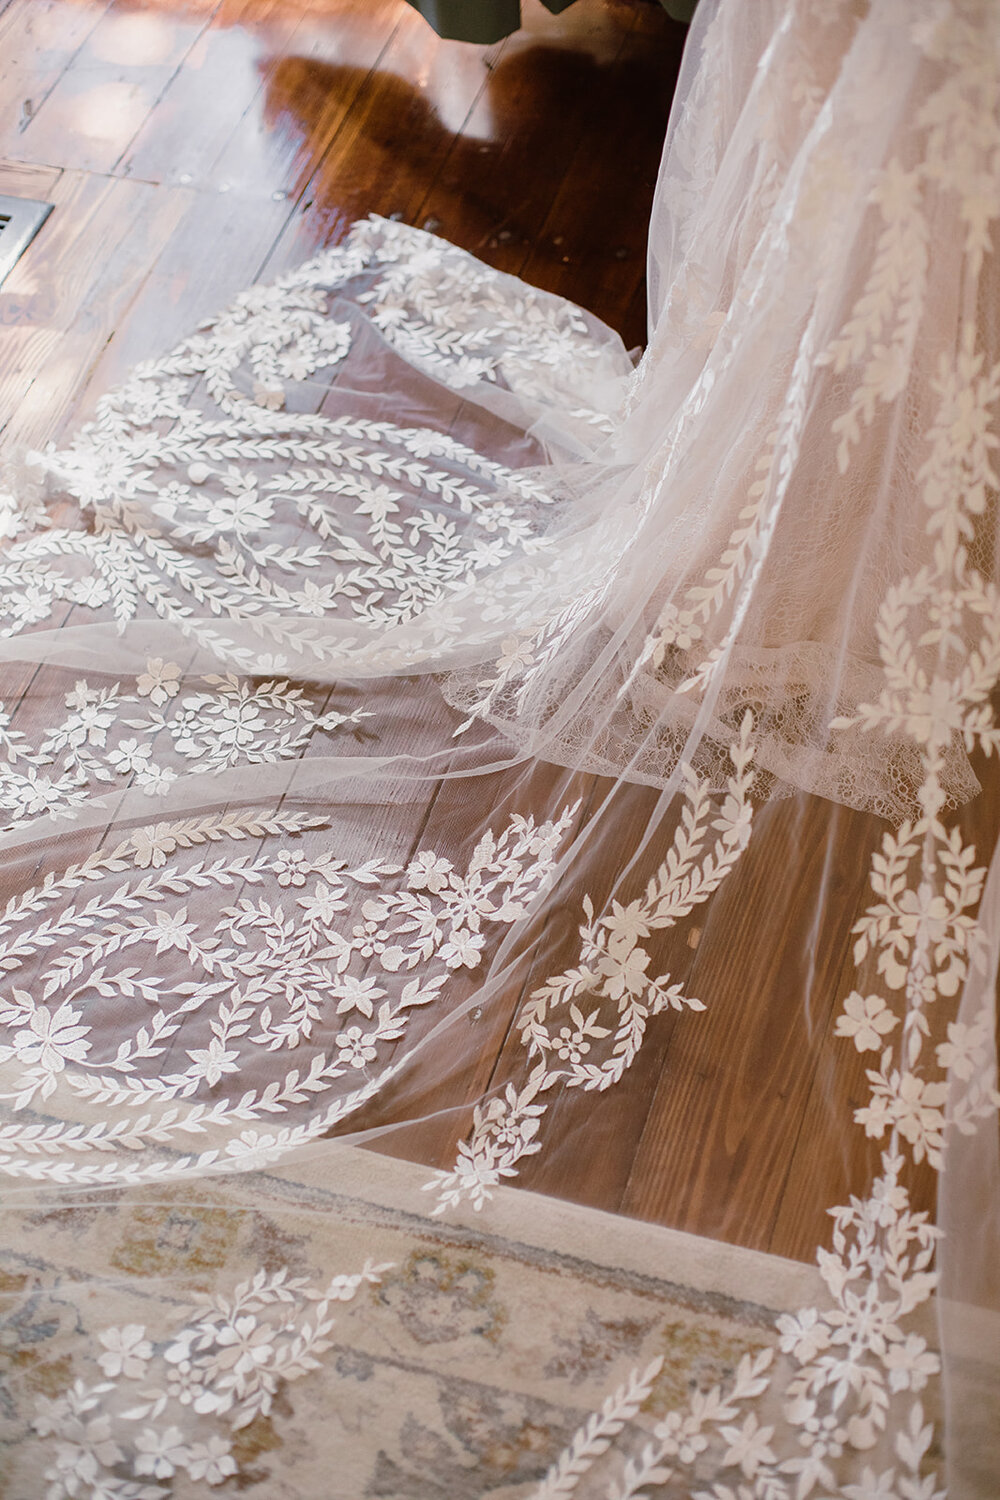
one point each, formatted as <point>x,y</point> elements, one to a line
<point>190,149</point>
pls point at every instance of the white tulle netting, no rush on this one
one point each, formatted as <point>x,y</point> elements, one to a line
<point>415,714</point>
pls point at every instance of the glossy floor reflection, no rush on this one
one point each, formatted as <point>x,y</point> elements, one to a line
<point>193,147</point>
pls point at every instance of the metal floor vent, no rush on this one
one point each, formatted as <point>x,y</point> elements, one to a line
<point>20,221</point>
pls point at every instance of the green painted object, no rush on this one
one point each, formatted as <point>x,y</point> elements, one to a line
<point>486,21</point>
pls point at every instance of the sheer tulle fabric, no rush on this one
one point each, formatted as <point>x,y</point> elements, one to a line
<point>405,685</point>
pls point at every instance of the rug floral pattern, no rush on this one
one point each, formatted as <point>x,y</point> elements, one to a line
<point>152,1347</point>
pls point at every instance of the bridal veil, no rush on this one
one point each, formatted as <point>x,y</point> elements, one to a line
<point>424,728</point>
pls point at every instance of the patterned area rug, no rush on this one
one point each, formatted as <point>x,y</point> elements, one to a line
<point>282,1340</point>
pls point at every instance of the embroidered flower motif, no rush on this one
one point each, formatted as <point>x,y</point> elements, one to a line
<point>749,1445</point>
<point>867,1019</point>
<point>91,593</point>
<point>171,929</point>
<point>323,904</point>
<point>357,1048</point>
<point>462,950</point>
<point>156,781</point>
<point>212,1062</point>
<point>292,868</point>
<point>212,1461</point>
<point>252,1149</point>
<point>93,717</point>
<point>241,511</point>
<point>160,682</point>
<point>152,845</point>
<point>235,725</point>
<point>128,1351</point>
<point>352,993</point>
<point>160,1453</point>
<point>243,1346</point>
<point>129,756</point>
<point>624,971</point>
<point>51,1039</point>
<point>573,1042</point>
<point>515,656</point>
<point>427,872</point>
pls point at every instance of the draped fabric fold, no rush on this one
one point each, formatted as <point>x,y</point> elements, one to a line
<point>467,797</point>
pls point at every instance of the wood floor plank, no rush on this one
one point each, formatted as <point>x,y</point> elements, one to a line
<point>595,232</point>
<point>503,171</point>
<point>598,1132</point>
<point>381,155</point>
<point>545,146</point>
<point>38,40</point>
<point>204,103</point>
<point>70,291</point>
<point>18,180</point>
<point>103,96</point>
<point>306,92</point>
<point>722,1127</point>
<point>216,248</point>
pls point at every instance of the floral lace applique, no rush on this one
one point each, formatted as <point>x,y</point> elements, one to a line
<point>224,1364</point>
<point>152,733</point>
<point>138,955</point>
<point>611,976</point>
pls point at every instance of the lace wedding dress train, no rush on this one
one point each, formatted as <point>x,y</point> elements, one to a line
<point>416,718</point>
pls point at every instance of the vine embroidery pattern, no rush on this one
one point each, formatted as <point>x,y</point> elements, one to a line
<point>845,1387</point>
<point>111,735</point>
<point>612,977</point>
<point>327,963</point>
<point>225,1362</point>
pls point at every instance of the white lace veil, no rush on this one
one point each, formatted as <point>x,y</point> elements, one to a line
<point>426,732</point>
